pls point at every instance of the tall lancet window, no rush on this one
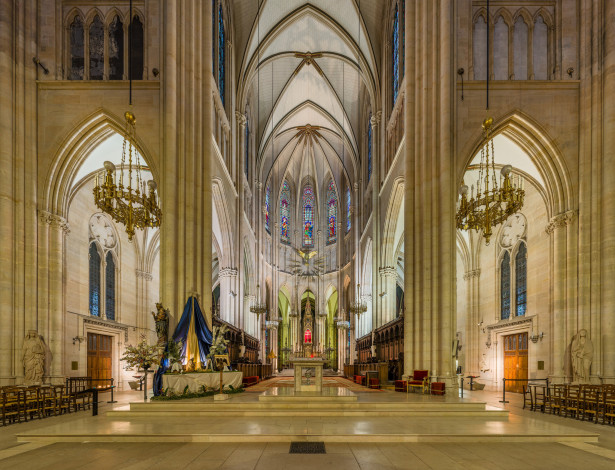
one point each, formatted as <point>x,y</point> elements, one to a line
<point>116,49</point>
<point>77,46</point>
<point>137,59</point>
<point>94,265</point>
<point>331,213</point>
<point>348,214</point>
<point>395,42</point>
<point>267,199</point>
<point>285,213</point>
<point>369,147</point>
<point>221,52</point>
<point>110,286</point>
<point>521,279</point>
<point>308,216</point>
<point>97,48</point>
<point>505,286</point>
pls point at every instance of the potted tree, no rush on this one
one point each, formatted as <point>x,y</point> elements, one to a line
<point>143,356</point>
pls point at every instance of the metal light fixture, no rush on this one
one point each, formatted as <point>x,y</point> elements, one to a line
<point>358,307</point>
<point>259,307</point>
<point>492,204</point>
<point>132,204</point>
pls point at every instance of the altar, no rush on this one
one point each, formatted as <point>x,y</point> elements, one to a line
<point>308,374</point>
<point>195,381</point>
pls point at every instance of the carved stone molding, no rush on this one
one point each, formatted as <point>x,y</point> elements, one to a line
<point>144,275</point>
<point>54,220</point>
<point>107,324</point>
<point>560,220</point>
<point>375,119</point>
<point>514,321</point>
<point>227,272</point>
<point>471,274</point>
<point>387,271</point>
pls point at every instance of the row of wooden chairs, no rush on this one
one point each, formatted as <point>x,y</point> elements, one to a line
<point>24,403</point>
<point>584,401</point>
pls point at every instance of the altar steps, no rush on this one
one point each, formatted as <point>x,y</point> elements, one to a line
<point>308,409</point>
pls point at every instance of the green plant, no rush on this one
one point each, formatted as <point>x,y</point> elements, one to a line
<point>142,355</point>
<point>174,353</point>
<point>218,344</point>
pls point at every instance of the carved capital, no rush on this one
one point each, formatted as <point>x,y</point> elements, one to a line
<point>560,220</point>
<point>53,220</point>
<point>241,119</point>
<point>144,275</point>
<point>388,271</point>
<point>227,272</point>
<point>471,274</point>
<point>375,119</point>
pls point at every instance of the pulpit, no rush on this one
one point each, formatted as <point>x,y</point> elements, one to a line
<point>308,374</point>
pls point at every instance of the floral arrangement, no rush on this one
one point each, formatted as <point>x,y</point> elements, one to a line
<point>174,355</point>
<point>142,355</point>
<point>219,342</point>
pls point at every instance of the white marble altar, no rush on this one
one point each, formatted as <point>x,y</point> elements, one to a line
<point>308,374</point>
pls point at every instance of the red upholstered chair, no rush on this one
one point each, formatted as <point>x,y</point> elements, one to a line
<point>420,379</point>
<point>374,383</point>
<point>401,386</point>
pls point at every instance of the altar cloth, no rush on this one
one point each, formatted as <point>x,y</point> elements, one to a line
<point>177,382</point>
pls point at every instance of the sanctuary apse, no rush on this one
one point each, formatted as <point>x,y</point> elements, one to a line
<point>308,157</point>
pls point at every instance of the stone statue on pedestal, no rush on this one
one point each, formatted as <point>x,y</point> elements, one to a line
<point>582,354</point>
<point>161,317</point>
<point>33,356</point>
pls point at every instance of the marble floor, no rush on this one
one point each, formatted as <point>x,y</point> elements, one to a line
<point>339,455</point>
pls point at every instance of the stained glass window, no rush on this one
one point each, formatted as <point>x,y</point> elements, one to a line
<point>94,264</point>
<point>308,216</point>
<point>348,223</point>
<point>369,147</point>
<point>395,42</point>
<point>76,50</point>
<point>110,287</point>
<point>331,213</point>
<point>285,213</point>
<point>267,195</point>
<point>521,279</point>
<point>97,47</point>
<point>137,48</point>
<point>221,51</point>
<point>505,286</point>
<point>116,49</point>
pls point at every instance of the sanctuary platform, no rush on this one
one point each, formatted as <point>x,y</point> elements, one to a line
<point>283,416</point>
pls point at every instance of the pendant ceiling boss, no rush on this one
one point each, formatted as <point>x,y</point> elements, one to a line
<point>492,203</point>
<point>131,202</point>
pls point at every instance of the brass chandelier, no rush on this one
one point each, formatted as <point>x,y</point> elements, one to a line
<point>492,204</point>
<point>358,307</point>
<point>130,203</point>
<point>258,308</point>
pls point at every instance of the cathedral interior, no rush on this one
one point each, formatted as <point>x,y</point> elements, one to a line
<point>387,185</point>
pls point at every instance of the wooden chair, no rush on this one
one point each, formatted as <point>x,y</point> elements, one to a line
<point>527,398</point>
<point>12,404</point>
<point>541,397</point>
<point>32,402</point>
<point>556,398</point>
<point>589,402</point>
<point>63,399</point>
<point>420,379</point>
<point>572,400</point>
<point>49,401</point>
<point>608,405</point>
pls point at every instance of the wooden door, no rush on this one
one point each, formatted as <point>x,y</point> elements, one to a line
<point>515,361</point>
<point>100,355</point>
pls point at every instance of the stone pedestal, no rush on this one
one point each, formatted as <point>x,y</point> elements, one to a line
<point>308,374</point>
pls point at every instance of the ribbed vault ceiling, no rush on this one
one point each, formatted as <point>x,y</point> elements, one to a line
<point>305,64</point>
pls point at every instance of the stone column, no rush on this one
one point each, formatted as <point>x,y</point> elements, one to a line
<point>562,331</point>
<point>227,278</point>
<point>608,199</point>
<point>429,204</point>
<point>379,309</point>
<point>388,280</point>
<point>188,146</point>
<point>471,339</point>
<point>143,301</point>
<point>55,336</point>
